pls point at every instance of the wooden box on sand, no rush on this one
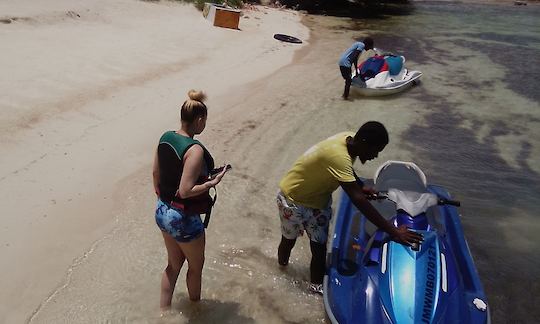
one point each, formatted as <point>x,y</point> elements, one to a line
<point>221,16</point>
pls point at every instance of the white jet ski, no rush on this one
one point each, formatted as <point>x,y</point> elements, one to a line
<point>382,75</point>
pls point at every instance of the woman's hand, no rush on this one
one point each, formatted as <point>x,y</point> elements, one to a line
<point>217,178</point>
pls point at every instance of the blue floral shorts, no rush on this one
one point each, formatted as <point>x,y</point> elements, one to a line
<point>183,228</point>
<point>296,218</point>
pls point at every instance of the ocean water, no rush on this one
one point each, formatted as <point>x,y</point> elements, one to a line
<point>472,125</point>
<point>481,137</point>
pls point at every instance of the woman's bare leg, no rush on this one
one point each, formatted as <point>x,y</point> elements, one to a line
<point>176,259</point>
<point>194,252</point>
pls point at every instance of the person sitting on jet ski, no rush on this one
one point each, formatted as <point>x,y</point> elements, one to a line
<point>349,58</point>
<point>305,196</point>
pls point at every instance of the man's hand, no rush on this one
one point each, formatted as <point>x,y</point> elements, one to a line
<point>370,192</point>
<point>404,236</point>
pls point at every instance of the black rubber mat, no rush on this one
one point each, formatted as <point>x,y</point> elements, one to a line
<point>287,38</point>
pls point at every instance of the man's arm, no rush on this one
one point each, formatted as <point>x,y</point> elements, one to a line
<point>359,199</point>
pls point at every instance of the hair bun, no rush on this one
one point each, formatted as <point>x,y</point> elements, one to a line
<point>196,95</point>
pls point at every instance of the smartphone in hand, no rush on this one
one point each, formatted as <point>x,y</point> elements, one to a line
<point>218,170</point>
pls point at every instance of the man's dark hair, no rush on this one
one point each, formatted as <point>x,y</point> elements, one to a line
<point>368,43</point>
<point>373,133</point>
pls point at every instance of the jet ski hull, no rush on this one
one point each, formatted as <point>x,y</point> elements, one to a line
<point>389,89</point>
<point>371,279</point>
<point>384,82</point>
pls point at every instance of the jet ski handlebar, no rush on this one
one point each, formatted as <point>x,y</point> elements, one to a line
<point>443,201</point>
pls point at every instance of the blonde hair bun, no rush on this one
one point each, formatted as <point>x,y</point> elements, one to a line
<point>196,95</point>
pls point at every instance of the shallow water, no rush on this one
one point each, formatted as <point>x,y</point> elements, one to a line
<point>472,126</point>
<point>480,137</point>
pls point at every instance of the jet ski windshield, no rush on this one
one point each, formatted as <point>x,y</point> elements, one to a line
<point>414,203</point>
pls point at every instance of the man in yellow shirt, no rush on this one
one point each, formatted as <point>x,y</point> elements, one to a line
<point>305,196</point>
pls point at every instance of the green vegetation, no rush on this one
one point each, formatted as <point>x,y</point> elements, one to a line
<point>345,8</point>
<point>231,3</point>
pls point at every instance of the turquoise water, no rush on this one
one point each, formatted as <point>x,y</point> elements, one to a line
<point>480,135</point>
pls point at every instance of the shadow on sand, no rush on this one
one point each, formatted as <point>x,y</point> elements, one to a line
<point>212,311</point>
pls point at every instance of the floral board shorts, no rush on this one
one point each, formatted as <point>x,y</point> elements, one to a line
<point>296,218</point>
<point>183,228</point>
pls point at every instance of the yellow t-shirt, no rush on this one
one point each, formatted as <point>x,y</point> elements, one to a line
<point>318,172</point>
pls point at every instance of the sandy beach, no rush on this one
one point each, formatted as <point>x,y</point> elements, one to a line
<point>89,87</point>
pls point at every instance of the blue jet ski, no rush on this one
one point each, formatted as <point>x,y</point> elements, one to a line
<point>371,279</point>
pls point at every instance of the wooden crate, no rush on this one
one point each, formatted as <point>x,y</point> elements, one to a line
<point>221,16</point>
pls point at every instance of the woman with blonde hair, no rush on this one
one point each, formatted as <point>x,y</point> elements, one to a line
<point>182,179</point>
